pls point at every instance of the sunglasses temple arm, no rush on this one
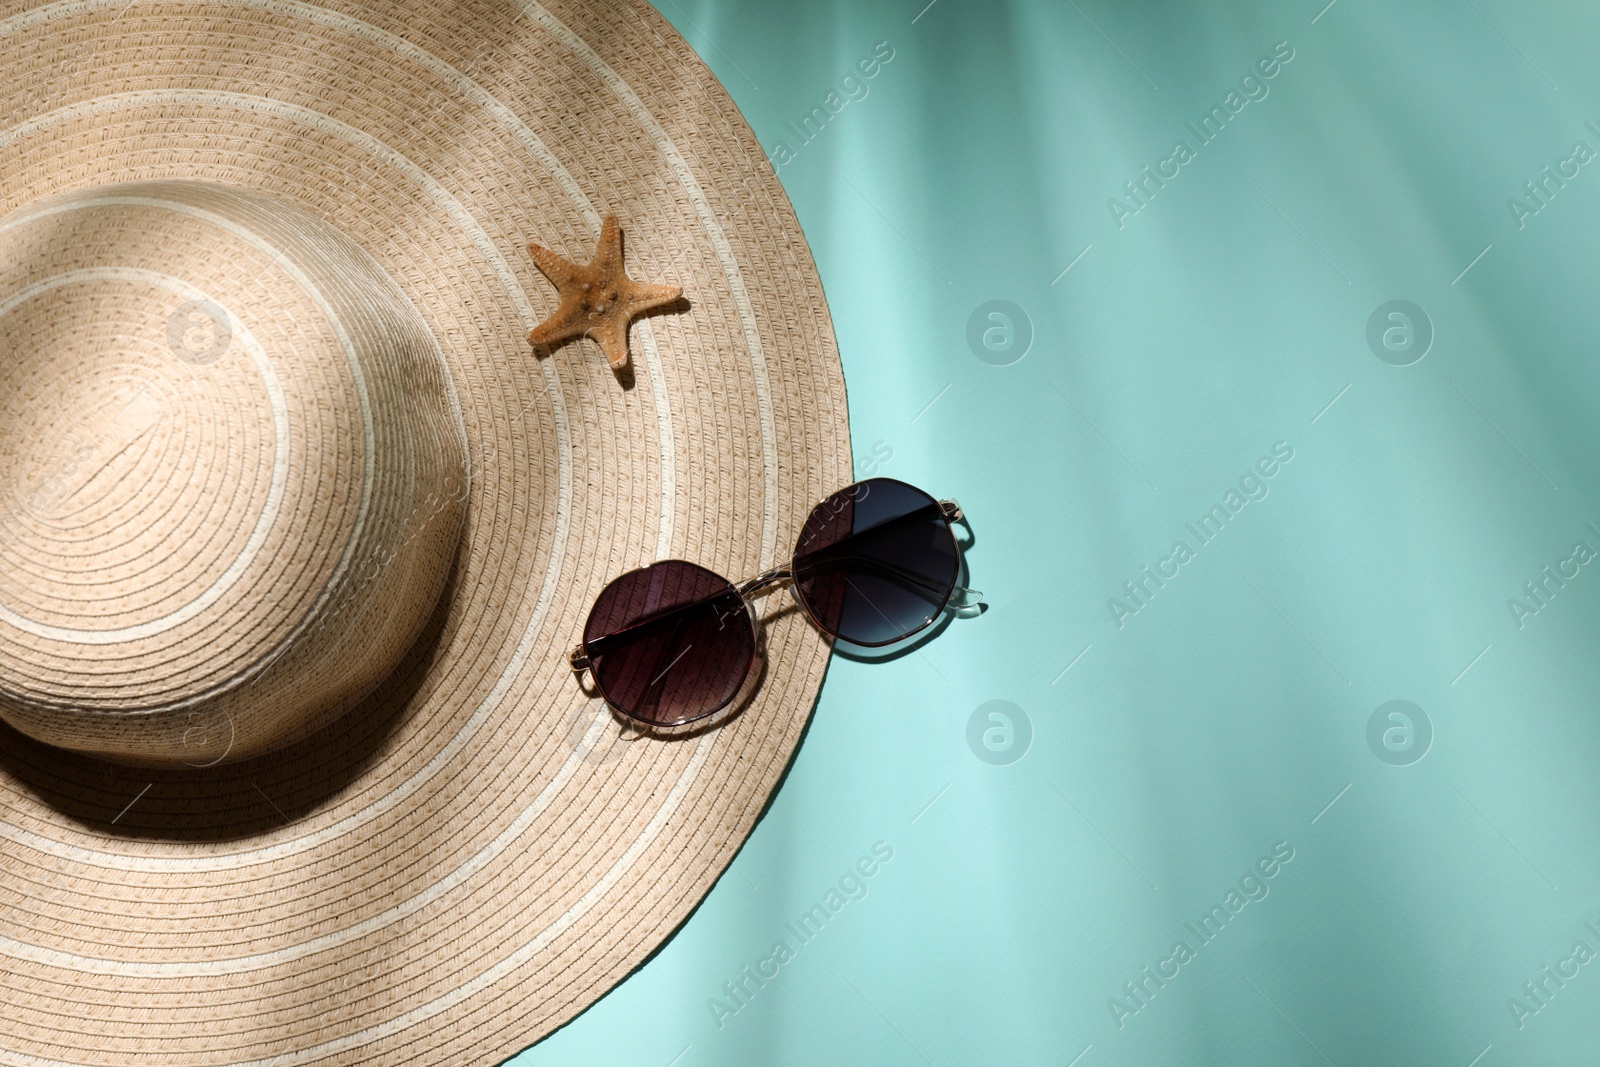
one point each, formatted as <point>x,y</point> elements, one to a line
<point>579,656</point>
<point>961,598</point>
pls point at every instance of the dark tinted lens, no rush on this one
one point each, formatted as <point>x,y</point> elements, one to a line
<point>669,643</point>
<point>876,562</point>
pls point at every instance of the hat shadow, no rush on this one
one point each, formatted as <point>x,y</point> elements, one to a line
<point>229,801</point>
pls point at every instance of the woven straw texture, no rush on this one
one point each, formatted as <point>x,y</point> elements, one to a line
<point>215,542</point>
<point>197,570</point>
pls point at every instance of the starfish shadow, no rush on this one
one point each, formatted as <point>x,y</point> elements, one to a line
<point>624,374</point>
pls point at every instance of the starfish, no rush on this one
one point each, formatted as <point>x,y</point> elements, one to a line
<point>598,300</point>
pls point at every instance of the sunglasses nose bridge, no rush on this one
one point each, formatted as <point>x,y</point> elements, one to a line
<point>764,579</point>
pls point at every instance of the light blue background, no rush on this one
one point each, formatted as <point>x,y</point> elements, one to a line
<point>1231,711</point>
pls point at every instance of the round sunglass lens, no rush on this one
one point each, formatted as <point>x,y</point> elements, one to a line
<point>876,562</point>
<point>669,643</point>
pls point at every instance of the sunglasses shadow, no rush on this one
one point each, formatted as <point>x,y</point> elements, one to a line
<point>890,653</point>
<point>964,544</point>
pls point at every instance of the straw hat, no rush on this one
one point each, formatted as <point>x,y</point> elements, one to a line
<point>296,527</point>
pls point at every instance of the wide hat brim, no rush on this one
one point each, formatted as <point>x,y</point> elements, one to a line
<point>476,851</point>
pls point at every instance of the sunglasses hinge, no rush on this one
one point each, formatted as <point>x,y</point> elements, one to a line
<point>950,510</point>
<point>579,660</point>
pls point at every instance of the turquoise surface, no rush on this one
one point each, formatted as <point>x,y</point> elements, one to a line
<point>1222,843</point>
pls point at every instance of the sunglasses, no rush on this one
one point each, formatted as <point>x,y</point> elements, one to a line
<point>674,642</point>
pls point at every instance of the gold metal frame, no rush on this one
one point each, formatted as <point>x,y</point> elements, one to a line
<point>961,598</point>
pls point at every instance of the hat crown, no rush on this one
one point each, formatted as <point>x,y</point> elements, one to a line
<point>231,473</point>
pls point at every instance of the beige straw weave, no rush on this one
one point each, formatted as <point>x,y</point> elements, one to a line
<point>271,436</point>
